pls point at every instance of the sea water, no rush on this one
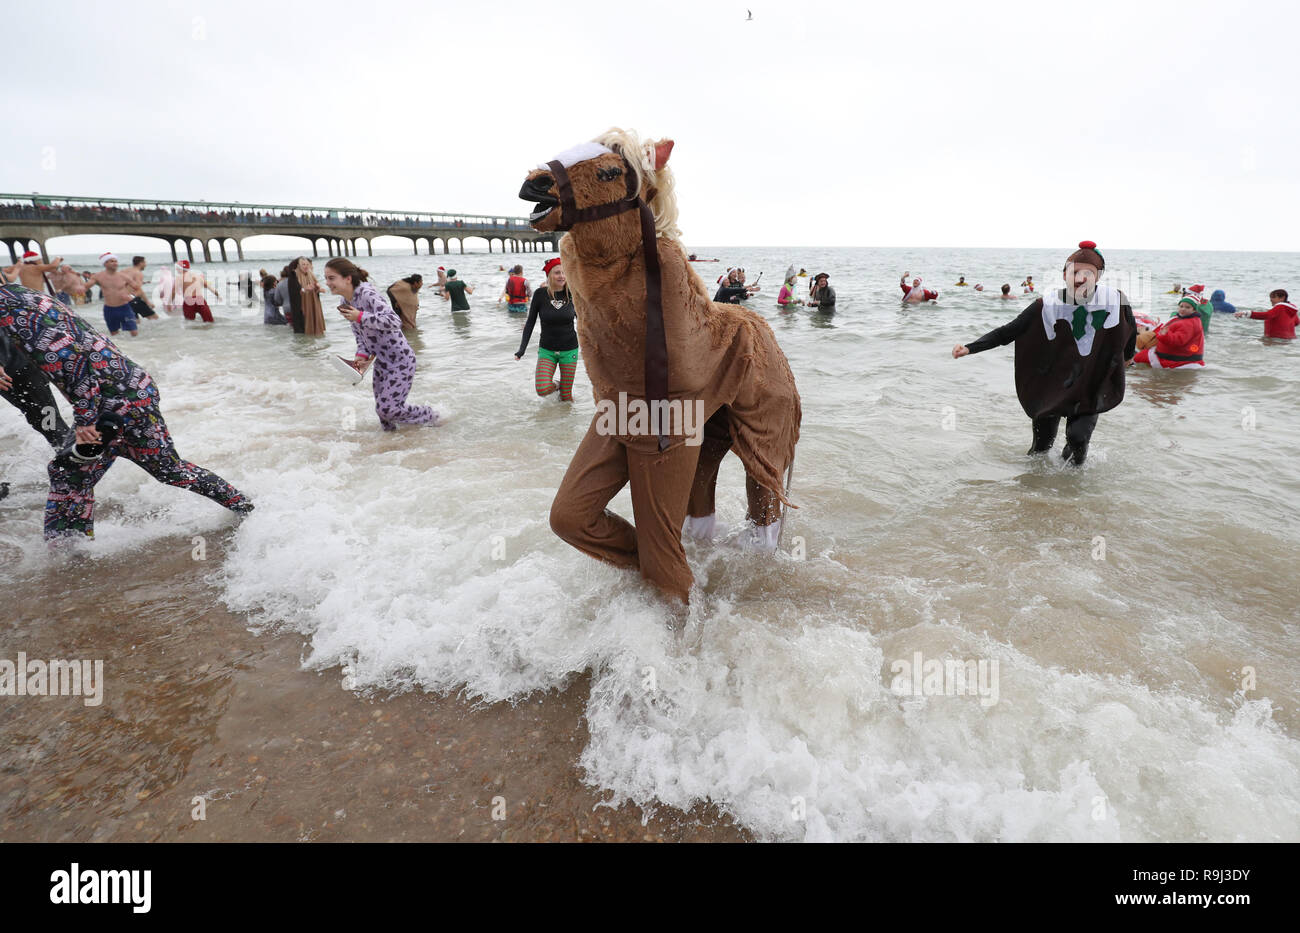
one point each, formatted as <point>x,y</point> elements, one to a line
<point>1139,615</point>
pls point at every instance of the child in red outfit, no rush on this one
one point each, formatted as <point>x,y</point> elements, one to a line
<point>1279,320</point>
<point>1180,341</point>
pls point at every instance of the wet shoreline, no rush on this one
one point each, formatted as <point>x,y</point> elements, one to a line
<point>197,706</point>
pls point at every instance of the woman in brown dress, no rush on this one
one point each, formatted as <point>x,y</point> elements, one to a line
<point>313,317</point>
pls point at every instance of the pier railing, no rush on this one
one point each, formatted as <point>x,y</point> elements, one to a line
<point>74,209</point>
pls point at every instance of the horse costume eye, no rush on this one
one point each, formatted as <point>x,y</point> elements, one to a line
<point>608,174</point>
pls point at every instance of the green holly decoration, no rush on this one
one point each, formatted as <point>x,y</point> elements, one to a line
<point>1079,323</point>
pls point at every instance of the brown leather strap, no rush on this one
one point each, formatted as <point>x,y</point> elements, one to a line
<point>569,212</point>
<point>656,340</point>
<point>563,190</point>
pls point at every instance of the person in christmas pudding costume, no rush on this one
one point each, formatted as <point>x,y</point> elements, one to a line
<point>1072,348</point>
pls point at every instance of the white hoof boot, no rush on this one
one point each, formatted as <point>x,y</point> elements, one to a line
<point>702,528</point>
<point>762,537</point>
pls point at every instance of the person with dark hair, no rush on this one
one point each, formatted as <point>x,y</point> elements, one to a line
<point>732,288</point>
<point>454,290</point>
<point>108,392</point>
<point>558,344</point>
<point>517,291</point>
<point>135,275</point>
<point>404,296</point>
<point>1072,348</point>
<point>288,298</point>
<point>1006,290</point>
<point>1279,320</point>
<point>378,331</point>
<point>821,295</point>
<point>272,301</point>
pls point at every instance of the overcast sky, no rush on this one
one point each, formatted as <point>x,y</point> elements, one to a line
<point>1136,124</point>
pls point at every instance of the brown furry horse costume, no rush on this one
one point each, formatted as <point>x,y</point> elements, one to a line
<point>649,332</point>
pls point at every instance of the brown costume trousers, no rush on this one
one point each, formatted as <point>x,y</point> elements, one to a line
<point>663,484</point>
<point>764,506</point>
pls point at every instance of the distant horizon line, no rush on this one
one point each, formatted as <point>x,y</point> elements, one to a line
<point>397,251</point>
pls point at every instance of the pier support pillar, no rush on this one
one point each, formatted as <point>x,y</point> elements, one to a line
<point>370,248</point>
<point>315,252</point>
<point>222,244</point>
<point>239,247</point>
<point>13,256</point>
<point>175,258</point>
<point>189,250</point>
<point>462,246</point>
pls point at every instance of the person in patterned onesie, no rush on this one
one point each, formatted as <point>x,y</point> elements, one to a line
<point>378,331</point>
<point>97,379</point>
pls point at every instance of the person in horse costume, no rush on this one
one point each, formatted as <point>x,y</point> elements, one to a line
<point>652,340</point>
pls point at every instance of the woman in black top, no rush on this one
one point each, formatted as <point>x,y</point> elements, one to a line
<point>558,344</point>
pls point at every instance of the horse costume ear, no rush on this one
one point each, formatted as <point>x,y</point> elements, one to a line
<point>663,149</point>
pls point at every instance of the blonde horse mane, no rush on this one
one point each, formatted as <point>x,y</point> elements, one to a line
<point>641,156</point>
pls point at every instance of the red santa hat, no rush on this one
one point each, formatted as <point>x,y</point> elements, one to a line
<point>107,257</point>
<point>183,263</point>
<point>31,256</point>
<point>550,264</point>
<point>1198,291</point>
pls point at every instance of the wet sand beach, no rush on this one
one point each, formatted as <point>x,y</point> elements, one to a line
<point>195,705</point>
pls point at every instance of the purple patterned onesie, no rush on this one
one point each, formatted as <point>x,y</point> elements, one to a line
<point>379,335</point>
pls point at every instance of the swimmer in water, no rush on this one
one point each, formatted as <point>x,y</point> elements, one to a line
<point>786,296</point>
<point>1006,291</point>
<point>732,288</point>
<point>31,272</point>
<point>822,296</point>
<point>517,291</point>
<point>1176,290</point>
<point>1028,284</point>
<point>1279,320</point>
<point>119,292</point>
<point>961,282</point>
<point>915,294</point>
<point>1179,341</point>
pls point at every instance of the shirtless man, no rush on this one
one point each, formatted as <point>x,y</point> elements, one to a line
<point>31,272</point>
<point>140,304</point>
<point>915,294</point>
<point>118,292</point>
<point>192,285</point>
<point>69,286</point>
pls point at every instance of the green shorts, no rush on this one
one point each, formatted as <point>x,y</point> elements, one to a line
<point>560,356</point>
